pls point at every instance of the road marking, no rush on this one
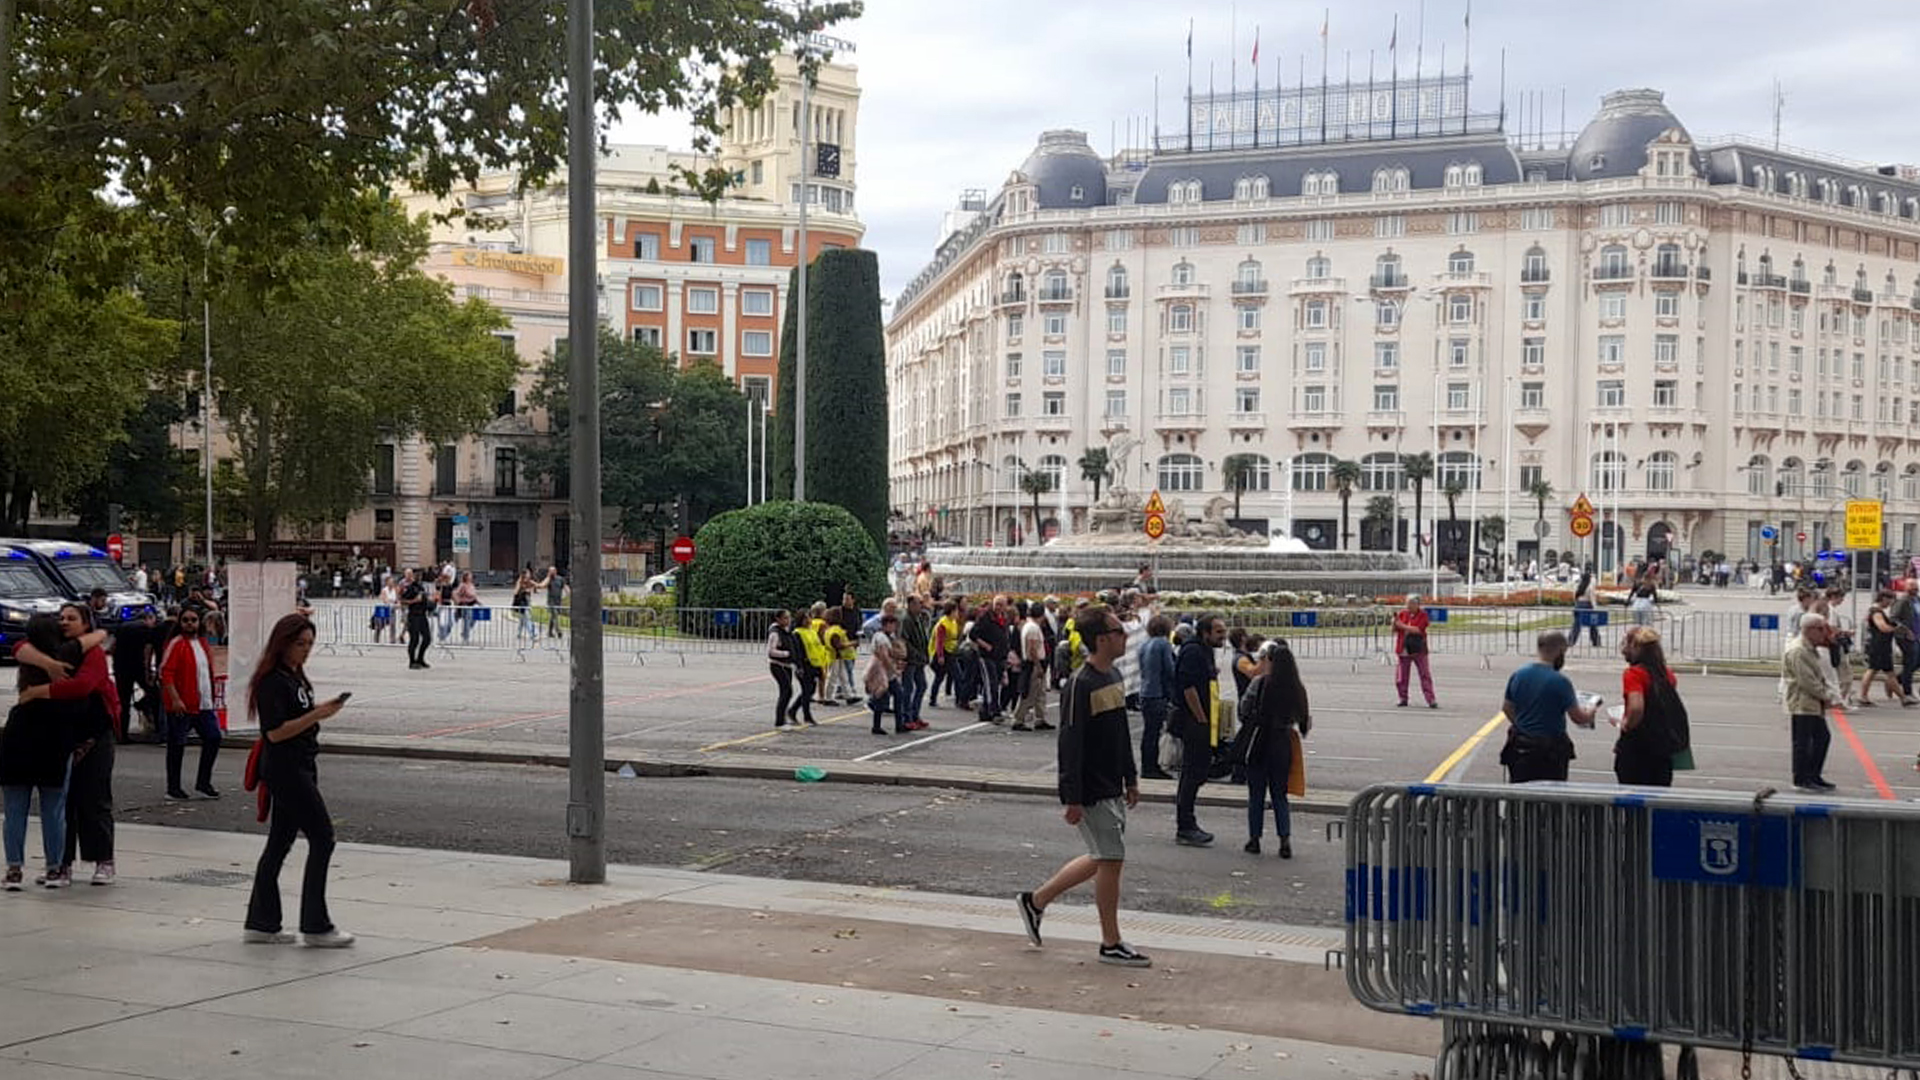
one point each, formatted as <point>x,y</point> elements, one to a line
<point>1866,760</point>
<point>774,733</point>
<point>1465,748</point>
<point>975,726</point>
<point>529,717</point>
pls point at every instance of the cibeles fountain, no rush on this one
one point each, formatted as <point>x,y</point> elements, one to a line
<point>1196,553</point>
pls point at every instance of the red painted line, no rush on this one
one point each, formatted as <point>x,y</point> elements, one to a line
<point>1866,760</point>
<point>485,725</point>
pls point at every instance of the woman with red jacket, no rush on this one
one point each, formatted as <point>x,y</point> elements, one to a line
<point>90,787</point>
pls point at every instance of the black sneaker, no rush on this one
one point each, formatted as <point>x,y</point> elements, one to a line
<point>178,795</point>
<point>1029,917</point>
<point>1193,837</point>
<point>1124,956</point>
<point>208,790</point>
<point>1822,785</point>
<point>1251,847</point>
<point>1286,848</point>
<point>1155,774</point>
<point>1042,726</point>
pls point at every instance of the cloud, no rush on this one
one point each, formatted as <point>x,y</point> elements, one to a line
<point>954,96</point>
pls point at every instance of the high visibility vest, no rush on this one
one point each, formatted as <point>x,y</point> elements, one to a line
<point>838,642</point>
<point>817,655</point>
<point>952,627</point>
<point>1076,654</point>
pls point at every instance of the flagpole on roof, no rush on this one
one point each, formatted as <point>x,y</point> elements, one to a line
<point>1212,116</point>
<point>1466,95</point>
<point>1256,86</point>
<point>1233,74</point>
<point>1346,96</point>
<point>1419,64</point>
<point>1369,127</point>
<point>1325,22</point>
<point>1189,86</point>
<point>1393,59</point>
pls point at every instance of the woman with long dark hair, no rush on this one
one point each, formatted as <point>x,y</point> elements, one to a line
<point>1275,707</point>
<point>87,685</point>
<point>1653,723</point>
<point>36,752</point>
<point>282,699</point>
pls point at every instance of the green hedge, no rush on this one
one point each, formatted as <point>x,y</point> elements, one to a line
<point>784,554</point>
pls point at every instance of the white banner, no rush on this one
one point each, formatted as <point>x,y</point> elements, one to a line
<point>258,595</point>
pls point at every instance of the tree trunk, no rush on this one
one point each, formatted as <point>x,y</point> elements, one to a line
<point>1036,520</point>
<point>1237,489</point>
<point>1346,530</point>
<point>1419,515</point>
<point>262,514</point>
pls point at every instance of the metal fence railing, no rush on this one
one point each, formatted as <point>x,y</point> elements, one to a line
<point>632,631</point>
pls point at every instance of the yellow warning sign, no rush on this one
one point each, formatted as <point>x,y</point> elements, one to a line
<point>1582,505</point>
<point>1863,524</point>
<point>1154,505</point>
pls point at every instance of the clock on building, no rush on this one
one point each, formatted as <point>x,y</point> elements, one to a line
<point>827,160</point>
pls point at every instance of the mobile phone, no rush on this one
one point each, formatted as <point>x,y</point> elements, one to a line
<point>342,699</point>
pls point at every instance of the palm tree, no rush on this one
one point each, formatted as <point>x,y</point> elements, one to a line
<point>1096,467</point>
<point>1380,515</point>
<point>1493,533</point>
<point>1346,476</point>
<point>1451,492</point>
<point>1239,470</point>
<point>1036,483</point>
<point>1541,491</point>
<point>1418,469</point>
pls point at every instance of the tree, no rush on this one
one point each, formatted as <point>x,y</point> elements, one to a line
<point>145,475</point>
<point>1541,491</point>
<point>784,554</point>
<point>703,443</point>
<point>1096,467</point>
<point>355,348</point>
<point>1036,482</point>
<point>1452,492</point>
<point>1240,471</point>
<point>1493,534</point>
<point>1346,476</point>
<point>1379,518</point>
<point>846,390</point>
<point>1418,469</point>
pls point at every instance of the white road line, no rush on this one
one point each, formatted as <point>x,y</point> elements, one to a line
<point>896,748</point>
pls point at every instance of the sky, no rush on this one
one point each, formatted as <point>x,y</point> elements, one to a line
<point>955,95</point>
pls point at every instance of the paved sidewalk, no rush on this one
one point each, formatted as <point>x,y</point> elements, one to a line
<point>481,966</point>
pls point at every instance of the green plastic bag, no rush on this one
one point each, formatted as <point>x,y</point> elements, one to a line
<point>809,774</point>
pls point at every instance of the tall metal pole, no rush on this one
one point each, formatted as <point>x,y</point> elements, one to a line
<point>1506,477</point>
<point>586,698</point>
<point>206,411</point>
<point>763,449</point>
<point>750,417</point>
<point>800,320</point>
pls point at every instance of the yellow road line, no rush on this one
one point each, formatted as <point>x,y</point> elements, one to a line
<point>775,733</point>
<point>1465,748</point>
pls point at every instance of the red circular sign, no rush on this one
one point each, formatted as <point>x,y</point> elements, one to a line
<point>1156,526</point>
<point>1802,537</point>
<point>683,550</point>
<point>116,548</point>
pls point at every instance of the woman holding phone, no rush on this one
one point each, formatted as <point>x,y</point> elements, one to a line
<point>282,699</point>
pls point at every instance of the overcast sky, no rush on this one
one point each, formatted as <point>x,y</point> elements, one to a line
<point>954,95</point>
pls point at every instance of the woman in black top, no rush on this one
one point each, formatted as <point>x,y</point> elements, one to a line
<point>36,751</point>
<point>1276,704</point>
<point>282,698</point>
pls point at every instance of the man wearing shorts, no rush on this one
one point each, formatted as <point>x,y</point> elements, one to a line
<point>1098,783</point>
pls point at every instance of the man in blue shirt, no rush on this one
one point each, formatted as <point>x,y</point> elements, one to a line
<point>1538,703</point>
<point>1156,686</point>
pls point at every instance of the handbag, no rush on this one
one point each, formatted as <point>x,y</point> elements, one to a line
<point>1414,643</point>
<point>1297,771</point>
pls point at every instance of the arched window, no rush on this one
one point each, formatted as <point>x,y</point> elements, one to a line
<point>1460,262</point>
<point>1759,474</point>
<point>1830,276</point>
<point>1614,261</point>
<point>1183,273</point>
<point>1457,467</point>
<point>1312,472</point>
<point>1472,177</point>
<point>1055,468</point>
<point>1180,319</point>
<point>1117,282</point>
<point>1853,481</point>
<point>1381,472</point>
<point>1016,286</point>
<point>1666,261</point>
<point>1792,479</point>
<point>1319,267</point>
<point>1455,176</point>
<point>1249,274</point>
<point>1609,470</point>
<point>1054,285</point>
<point>1262,186</point>
<point>1181,472</point>
<point>1910,483</point>
<point>1386,272</point>
<point>1256,474</point>
<point>1010,473</point>
<point>1382,181</point>
<point>1661,466</point>
<point>1883,481</point>
<point>1822,477</point>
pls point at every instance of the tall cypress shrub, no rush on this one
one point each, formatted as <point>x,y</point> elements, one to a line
<point>846,390</point>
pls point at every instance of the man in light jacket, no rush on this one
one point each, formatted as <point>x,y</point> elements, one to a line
<point>1810,691</point>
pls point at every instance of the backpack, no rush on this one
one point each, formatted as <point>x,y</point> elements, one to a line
<point>1664,728</point>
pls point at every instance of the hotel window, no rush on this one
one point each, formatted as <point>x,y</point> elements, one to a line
<point>1180,401</point>
<point>1386,398</point>
<point>1012,407</point>
<point>1533,395</point>
<point>1666,394</point>
<point>1119,240</point>
<point>700,249</point>
<point>1116,403</point>
<point>756,343</point>
<point>1613,307</point>
<point>759,253</point>
<point>1459,309</point>
<point>1249,316</point>
<point>1460,262</point>
<point>1793,400</point>
<point>1459,351</point>
<point>1246,400</point>
<point>1533,351</point>
<point>1616,216</point>
<point>1185,237</point>
<point>1183,273</point>
<point>1386,355</point>
<point>1666,349</point>
<point>1666,304</point>
<point>1313,399</point>
<point>1316,314</point>
<point>703,301</point>
<point>1459,396</point>
<point>1056,244</point>
<point>1316,352</point>
<point>1248,361</point>
<point>648,298</point>
<point>1054,325</point>
<point>1669,213</point>
<point>1386,314</point>
<point>1536,219</point>
<point>1613,393</point>
<point>1014,364</point>
<point>1390,226</point>
<point>1252,235</point>
<point>1859,408</point>
<point>1053,403</point>
<point>1463,222</point>
<point>646,247</point>
<point>647,335</point>
<point>1117,363</point>
<point>703,342</point>
<point>756,302</point>
<point>1053,363</point>
<point>1180,319</point>
<point>1016,325</point>
<point>1613,349</point>
<point>1796,358</point>
<point>1319,229</point>
<point>1180,360</point>
<point>1116,320</point>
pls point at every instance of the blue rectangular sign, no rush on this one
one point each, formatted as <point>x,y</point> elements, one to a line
<point>726,617</point>
<point>1584,618</point>
<point>1763,622</point>
<point>1305,618</point>
<point>1436,614</point>
<point>1723,849</point>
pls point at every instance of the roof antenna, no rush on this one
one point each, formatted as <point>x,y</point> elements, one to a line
<point>1779,109</point>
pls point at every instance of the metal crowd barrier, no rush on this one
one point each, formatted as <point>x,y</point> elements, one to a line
<point>635,632</point>
<point>1786,926</point>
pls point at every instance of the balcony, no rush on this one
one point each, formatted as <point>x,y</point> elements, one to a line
<point>1389,282</point>
<point>1704,273</point>
<point>1112,423</point>
<point>1013,296</point>
<point>1535,275</point>
<point>1055,296</point>
<point>1386,418</point>
<point>1606,272</point>
<point>1191,289</point>
<point>1769,281</point>
<point>1464,279</point>
<point>1800,287</point>
<point>1119,292</point>
<point>1670,271</point>
<point>1315,418</point>
<point>1319,285</point>
<point>1180,421</point>
<point>1247,421</point>
<point>1053,422</point>
<point>1863,296</point>
<point>526,490</point>
<point>1250,287</point>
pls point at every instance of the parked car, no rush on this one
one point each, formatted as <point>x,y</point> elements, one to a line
<point>25,591</point>
<point>658,584</point>
<point>77,570</point>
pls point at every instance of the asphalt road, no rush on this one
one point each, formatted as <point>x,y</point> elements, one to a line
<point>926,838</point>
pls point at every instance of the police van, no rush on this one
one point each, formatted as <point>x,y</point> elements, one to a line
<point>25,591</point>
<point>78,569</point>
